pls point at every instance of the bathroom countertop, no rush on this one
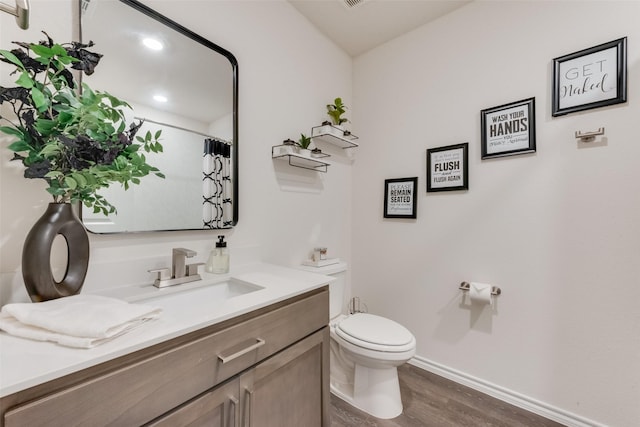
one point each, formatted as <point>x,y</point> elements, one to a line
<point>25,363</point>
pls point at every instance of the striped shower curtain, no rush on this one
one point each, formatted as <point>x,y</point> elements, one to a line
<point>216,184</point>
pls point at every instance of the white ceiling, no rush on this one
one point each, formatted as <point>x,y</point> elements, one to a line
<point>371,23</point>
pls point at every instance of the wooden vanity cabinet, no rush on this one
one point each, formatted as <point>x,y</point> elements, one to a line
<point>284,390</point>
<point>265,368</point>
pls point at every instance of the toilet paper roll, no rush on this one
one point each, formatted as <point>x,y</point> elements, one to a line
<point>480,293</point>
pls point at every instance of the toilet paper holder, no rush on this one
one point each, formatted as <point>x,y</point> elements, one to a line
<point>465,286</point>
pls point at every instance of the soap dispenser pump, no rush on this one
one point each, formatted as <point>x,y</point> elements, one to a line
<point>218,262</point>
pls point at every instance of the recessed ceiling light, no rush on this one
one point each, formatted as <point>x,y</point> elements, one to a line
<point>153,44</point>
<point>160,98</point>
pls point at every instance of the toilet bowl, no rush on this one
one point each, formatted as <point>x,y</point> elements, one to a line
<point>365,353</point>
<point>366,350</point>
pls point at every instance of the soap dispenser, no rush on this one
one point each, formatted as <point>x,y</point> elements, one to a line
<point>219,258</point>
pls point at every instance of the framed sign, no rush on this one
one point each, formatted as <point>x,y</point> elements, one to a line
<point>509,129</point>
<point>590,78</point>
<point>448,168</point>
<point>400,198</point>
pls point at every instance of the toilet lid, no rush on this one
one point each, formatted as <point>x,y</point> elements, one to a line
<point>374,329</point>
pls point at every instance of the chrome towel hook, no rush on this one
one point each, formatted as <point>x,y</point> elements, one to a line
<point>589,136</point>
<point>20,11</point>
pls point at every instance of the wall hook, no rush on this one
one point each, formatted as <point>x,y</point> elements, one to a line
<point>20,11</point>
<point>589,136</point>
<point>466,286</point>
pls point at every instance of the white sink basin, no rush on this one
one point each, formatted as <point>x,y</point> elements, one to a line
<point>196,294</point>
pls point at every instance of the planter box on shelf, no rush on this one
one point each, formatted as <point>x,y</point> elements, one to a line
<point>283,150</point>
<point>324,129</point>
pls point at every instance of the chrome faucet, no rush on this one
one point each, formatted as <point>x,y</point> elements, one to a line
<point>181,272</point>
<point>178,261</point>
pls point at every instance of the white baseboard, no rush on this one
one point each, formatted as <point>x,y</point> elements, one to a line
<point>501,393</point>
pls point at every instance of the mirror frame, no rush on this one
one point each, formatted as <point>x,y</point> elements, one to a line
<point>173,25</point>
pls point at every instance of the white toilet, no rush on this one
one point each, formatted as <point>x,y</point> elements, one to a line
<point>365,352</point>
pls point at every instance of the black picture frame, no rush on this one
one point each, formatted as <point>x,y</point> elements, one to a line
<point>400,199</point>
<point>448,168</point>
<point>590,78</point>
<point>508,129</point>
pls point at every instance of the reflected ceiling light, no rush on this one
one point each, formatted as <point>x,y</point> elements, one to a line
<point>160,98</point>
<point>153,44</point>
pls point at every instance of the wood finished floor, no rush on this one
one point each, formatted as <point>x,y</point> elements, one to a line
<point>432,401</point>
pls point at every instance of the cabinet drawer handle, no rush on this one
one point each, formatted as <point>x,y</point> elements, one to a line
<point>259,343</point>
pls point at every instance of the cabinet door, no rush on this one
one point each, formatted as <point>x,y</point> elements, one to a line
<point>291,388</point>
<point>218,407</point>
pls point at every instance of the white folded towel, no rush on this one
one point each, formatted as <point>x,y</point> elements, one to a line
<point>76,321</point>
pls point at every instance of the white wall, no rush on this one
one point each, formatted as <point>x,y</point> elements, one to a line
<point>556,230</point>
<point>288,72</point>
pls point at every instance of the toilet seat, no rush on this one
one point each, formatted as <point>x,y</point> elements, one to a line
<point>375,333</point>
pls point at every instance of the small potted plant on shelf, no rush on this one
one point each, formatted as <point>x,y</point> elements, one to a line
<point>335,125</point>
<point>336,110</point>
<point>304,143</point>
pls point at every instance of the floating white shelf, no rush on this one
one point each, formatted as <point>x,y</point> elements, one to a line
<point>286,152</point>
<point>334,135</point>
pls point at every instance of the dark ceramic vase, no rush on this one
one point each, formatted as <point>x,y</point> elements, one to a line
<point>59,218</point>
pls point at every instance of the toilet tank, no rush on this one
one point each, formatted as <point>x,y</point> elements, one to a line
<point>337,288</point>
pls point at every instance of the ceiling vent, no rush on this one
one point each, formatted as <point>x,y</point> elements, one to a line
<point>350,4</point>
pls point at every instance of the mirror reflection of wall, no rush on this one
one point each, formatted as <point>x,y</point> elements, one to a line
<point>185,86</point>
<point>162,202</point>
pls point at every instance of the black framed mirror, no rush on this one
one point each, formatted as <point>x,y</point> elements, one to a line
<point>186,86</point>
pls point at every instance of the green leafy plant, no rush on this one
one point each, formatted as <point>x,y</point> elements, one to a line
<point>77,142</point>
<point>304,141</point>
<point>336,110</point>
